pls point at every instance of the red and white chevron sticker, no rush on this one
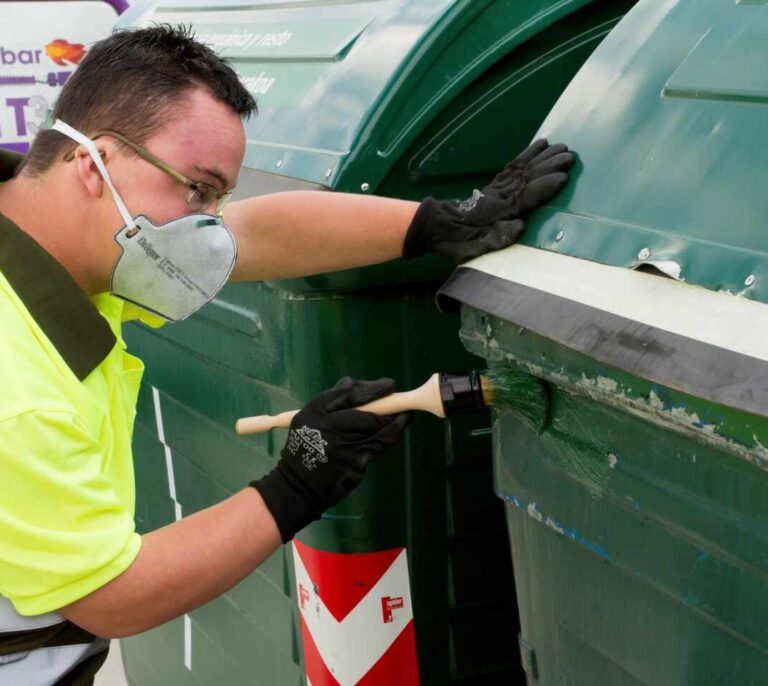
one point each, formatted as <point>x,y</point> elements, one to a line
<point>356,617</point>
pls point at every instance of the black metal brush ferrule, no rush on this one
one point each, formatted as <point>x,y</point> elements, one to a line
<point>461,392</point>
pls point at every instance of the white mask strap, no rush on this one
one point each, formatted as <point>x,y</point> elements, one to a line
<point>90,146</point>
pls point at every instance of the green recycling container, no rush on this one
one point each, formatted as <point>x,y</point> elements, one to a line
<point>410,578</point>
<point>638,519</point>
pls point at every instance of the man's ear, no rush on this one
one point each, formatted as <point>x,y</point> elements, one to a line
<point>88,172</point>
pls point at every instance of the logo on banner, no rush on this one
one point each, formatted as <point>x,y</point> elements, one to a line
<point>61,52</point>
<point>40,47</point>
<point>27,111</point>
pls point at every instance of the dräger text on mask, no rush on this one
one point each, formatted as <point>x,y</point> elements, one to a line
<point>148,248</point>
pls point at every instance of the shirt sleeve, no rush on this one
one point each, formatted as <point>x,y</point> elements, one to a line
<point>64,532</point>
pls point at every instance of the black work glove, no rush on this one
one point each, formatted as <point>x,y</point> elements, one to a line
<point>328,448</point>
<point>491,218</point>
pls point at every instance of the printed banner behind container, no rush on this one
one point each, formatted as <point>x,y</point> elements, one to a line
<point>41,44</point>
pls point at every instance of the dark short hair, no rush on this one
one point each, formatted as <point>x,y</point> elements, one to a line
<point>130,81</point>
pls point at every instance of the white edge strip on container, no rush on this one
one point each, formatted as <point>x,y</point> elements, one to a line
<point>707,344</point>
<point>719,319</point>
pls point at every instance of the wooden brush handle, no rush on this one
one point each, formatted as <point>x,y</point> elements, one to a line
<point>264,422</point>
<point>426,398</point>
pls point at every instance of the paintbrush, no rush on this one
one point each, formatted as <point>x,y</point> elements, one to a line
<point>446,395</point>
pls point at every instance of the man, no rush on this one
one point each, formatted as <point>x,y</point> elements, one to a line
<point>118,199</point>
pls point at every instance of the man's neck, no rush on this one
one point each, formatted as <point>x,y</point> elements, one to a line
<point>38,209</point>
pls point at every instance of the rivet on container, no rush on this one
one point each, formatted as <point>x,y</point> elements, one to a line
<point>328,173</point>
<point>279,164</point>
<point>560,235</point>
<point>749,280</point>
<point>365,187</point>
<point>644,254</point>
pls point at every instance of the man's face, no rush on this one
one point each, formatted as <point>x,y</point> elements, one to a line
<point>205,143</point>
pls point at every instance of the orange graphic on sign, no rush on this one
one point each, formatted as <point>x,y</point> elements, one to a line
<point>61,52</point>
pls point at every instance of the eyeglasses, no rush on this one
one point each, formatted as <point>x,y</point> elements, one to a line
<point>201,195</point>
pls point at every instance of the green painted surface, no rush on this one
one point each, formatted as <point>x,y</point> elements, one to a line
<point>637,521</point>
<point>452,532</point>
<point>668,118</point>
<point>402,114</point>
<point>357,98</point>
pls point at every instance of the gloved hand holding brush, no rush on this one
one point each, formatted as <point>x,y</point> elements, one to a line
<point>492,218</point>
<point>328,449</point>
<point>445,395</point>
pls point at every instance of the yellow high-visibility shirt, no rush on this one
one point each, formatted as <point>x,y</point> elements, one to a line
<point>68,392</point>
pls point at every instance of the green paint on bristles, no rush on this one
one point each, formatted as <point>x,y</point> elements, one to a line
<point>522,394</point>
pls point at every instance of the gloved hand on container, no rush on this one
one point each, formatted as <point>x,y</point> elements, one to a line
<point>328,448</point>
<point>492,218</point>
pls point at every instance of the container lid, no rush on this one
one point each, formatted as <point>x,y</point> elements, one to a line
<point>685,337</point>
<point>669,122</point>
<point>343,86</point>
<point>668,119</point>
<point>316,69</point>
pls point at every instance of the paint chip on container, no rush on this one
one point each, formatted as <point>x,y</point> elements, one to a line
<point>534,512</point>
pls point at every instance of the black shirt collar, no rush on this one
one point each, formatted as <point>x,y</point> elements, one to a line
<point>61,309</point>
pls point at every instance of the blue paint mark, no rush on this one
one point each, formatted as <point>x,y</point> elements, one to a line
<point>683,406</point>
<point>703,556</point>
<point>552,523</point>
<point>515,501</point>
<point>595,548</point>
